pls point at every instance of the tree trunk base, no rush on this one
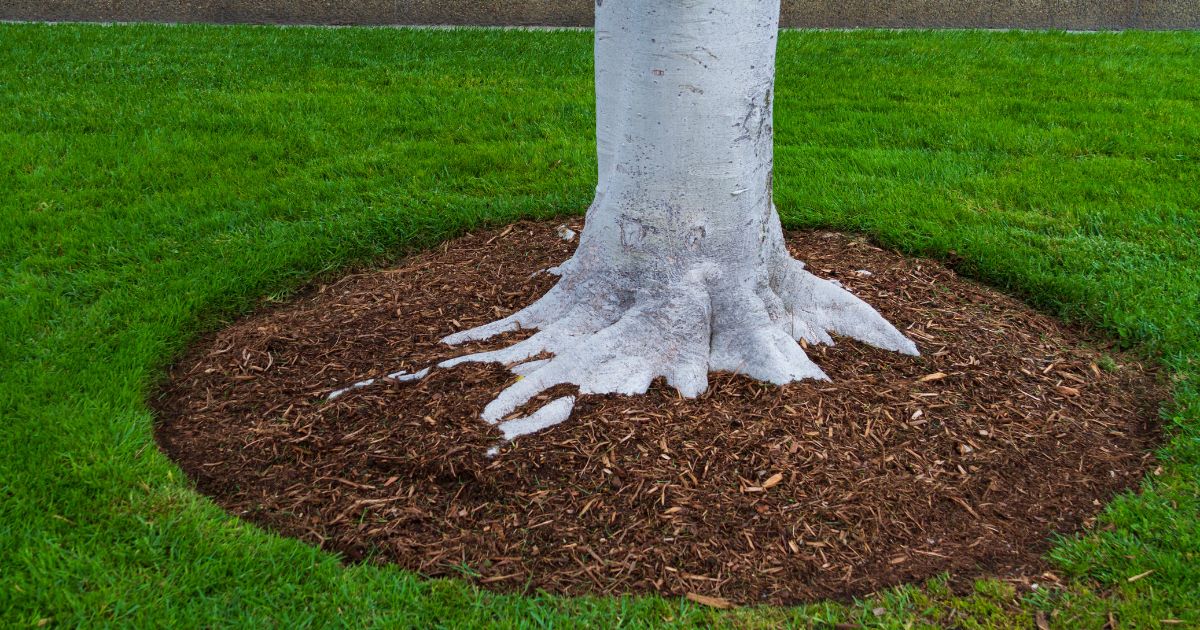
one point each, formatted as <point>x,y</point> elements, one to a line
<point>599,331</point>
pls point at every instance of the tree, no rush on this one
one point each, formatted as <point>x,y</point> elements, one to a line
<point>681,268</point>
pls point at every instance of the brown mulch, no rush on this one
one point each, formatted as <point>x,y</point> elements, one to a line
<point>963,460</point>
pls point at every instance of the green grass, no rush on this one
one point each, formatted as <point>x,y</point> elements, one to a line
<point>156,182</point>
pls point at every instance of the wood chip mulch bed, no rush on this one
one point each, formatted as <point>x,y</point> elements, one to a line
<point>965,459</point>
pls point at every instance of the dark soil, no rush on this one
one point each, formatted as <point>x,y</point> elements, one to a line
<point>964,460</point>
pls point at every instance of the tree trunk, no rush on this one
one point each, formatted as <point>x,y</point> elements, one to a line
<point>681,268</point>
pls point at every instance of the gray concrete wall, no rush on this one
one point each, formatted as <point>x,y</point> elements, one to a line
<point>1033,14</point>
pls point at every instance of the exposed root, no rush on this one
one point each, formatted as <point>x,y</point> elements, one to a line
<point>551,414</point>
<point>405,377</point>
<point>399,377</point>
<point>604,350</point>
<point>608,339</point>
<point>814,307</point>
<point>359,385</point>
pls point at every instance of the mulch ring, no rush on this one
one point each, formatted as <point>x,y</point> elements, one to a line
<point>1010,427</point>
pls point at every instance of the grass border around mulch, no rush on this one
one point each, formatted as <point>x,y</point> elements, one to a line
<point>158,181</point>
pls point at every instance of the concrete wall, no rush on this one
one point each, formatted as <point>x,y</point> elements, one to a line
<point>1034,14</point>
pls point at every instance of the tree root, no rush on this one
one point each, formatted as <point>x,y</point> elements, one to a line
<point>608,338</point>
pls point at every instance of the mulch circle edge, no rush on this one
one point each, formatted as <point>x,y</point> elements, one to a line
<point>427,297</point>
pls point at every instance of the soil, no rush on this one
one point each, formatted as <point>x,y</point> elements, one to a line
<point>1009,427</point>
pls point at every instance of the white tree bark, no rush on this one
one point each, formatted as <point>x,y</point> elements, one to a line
<point>681,269</point>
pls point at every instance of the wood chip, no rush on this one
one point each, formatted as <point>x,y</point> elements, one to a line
<point>715,602</point>
<point>1134,578</point>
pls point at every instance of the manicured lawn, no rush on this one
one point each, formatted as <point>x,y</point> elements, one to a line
<point>158,181</point>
